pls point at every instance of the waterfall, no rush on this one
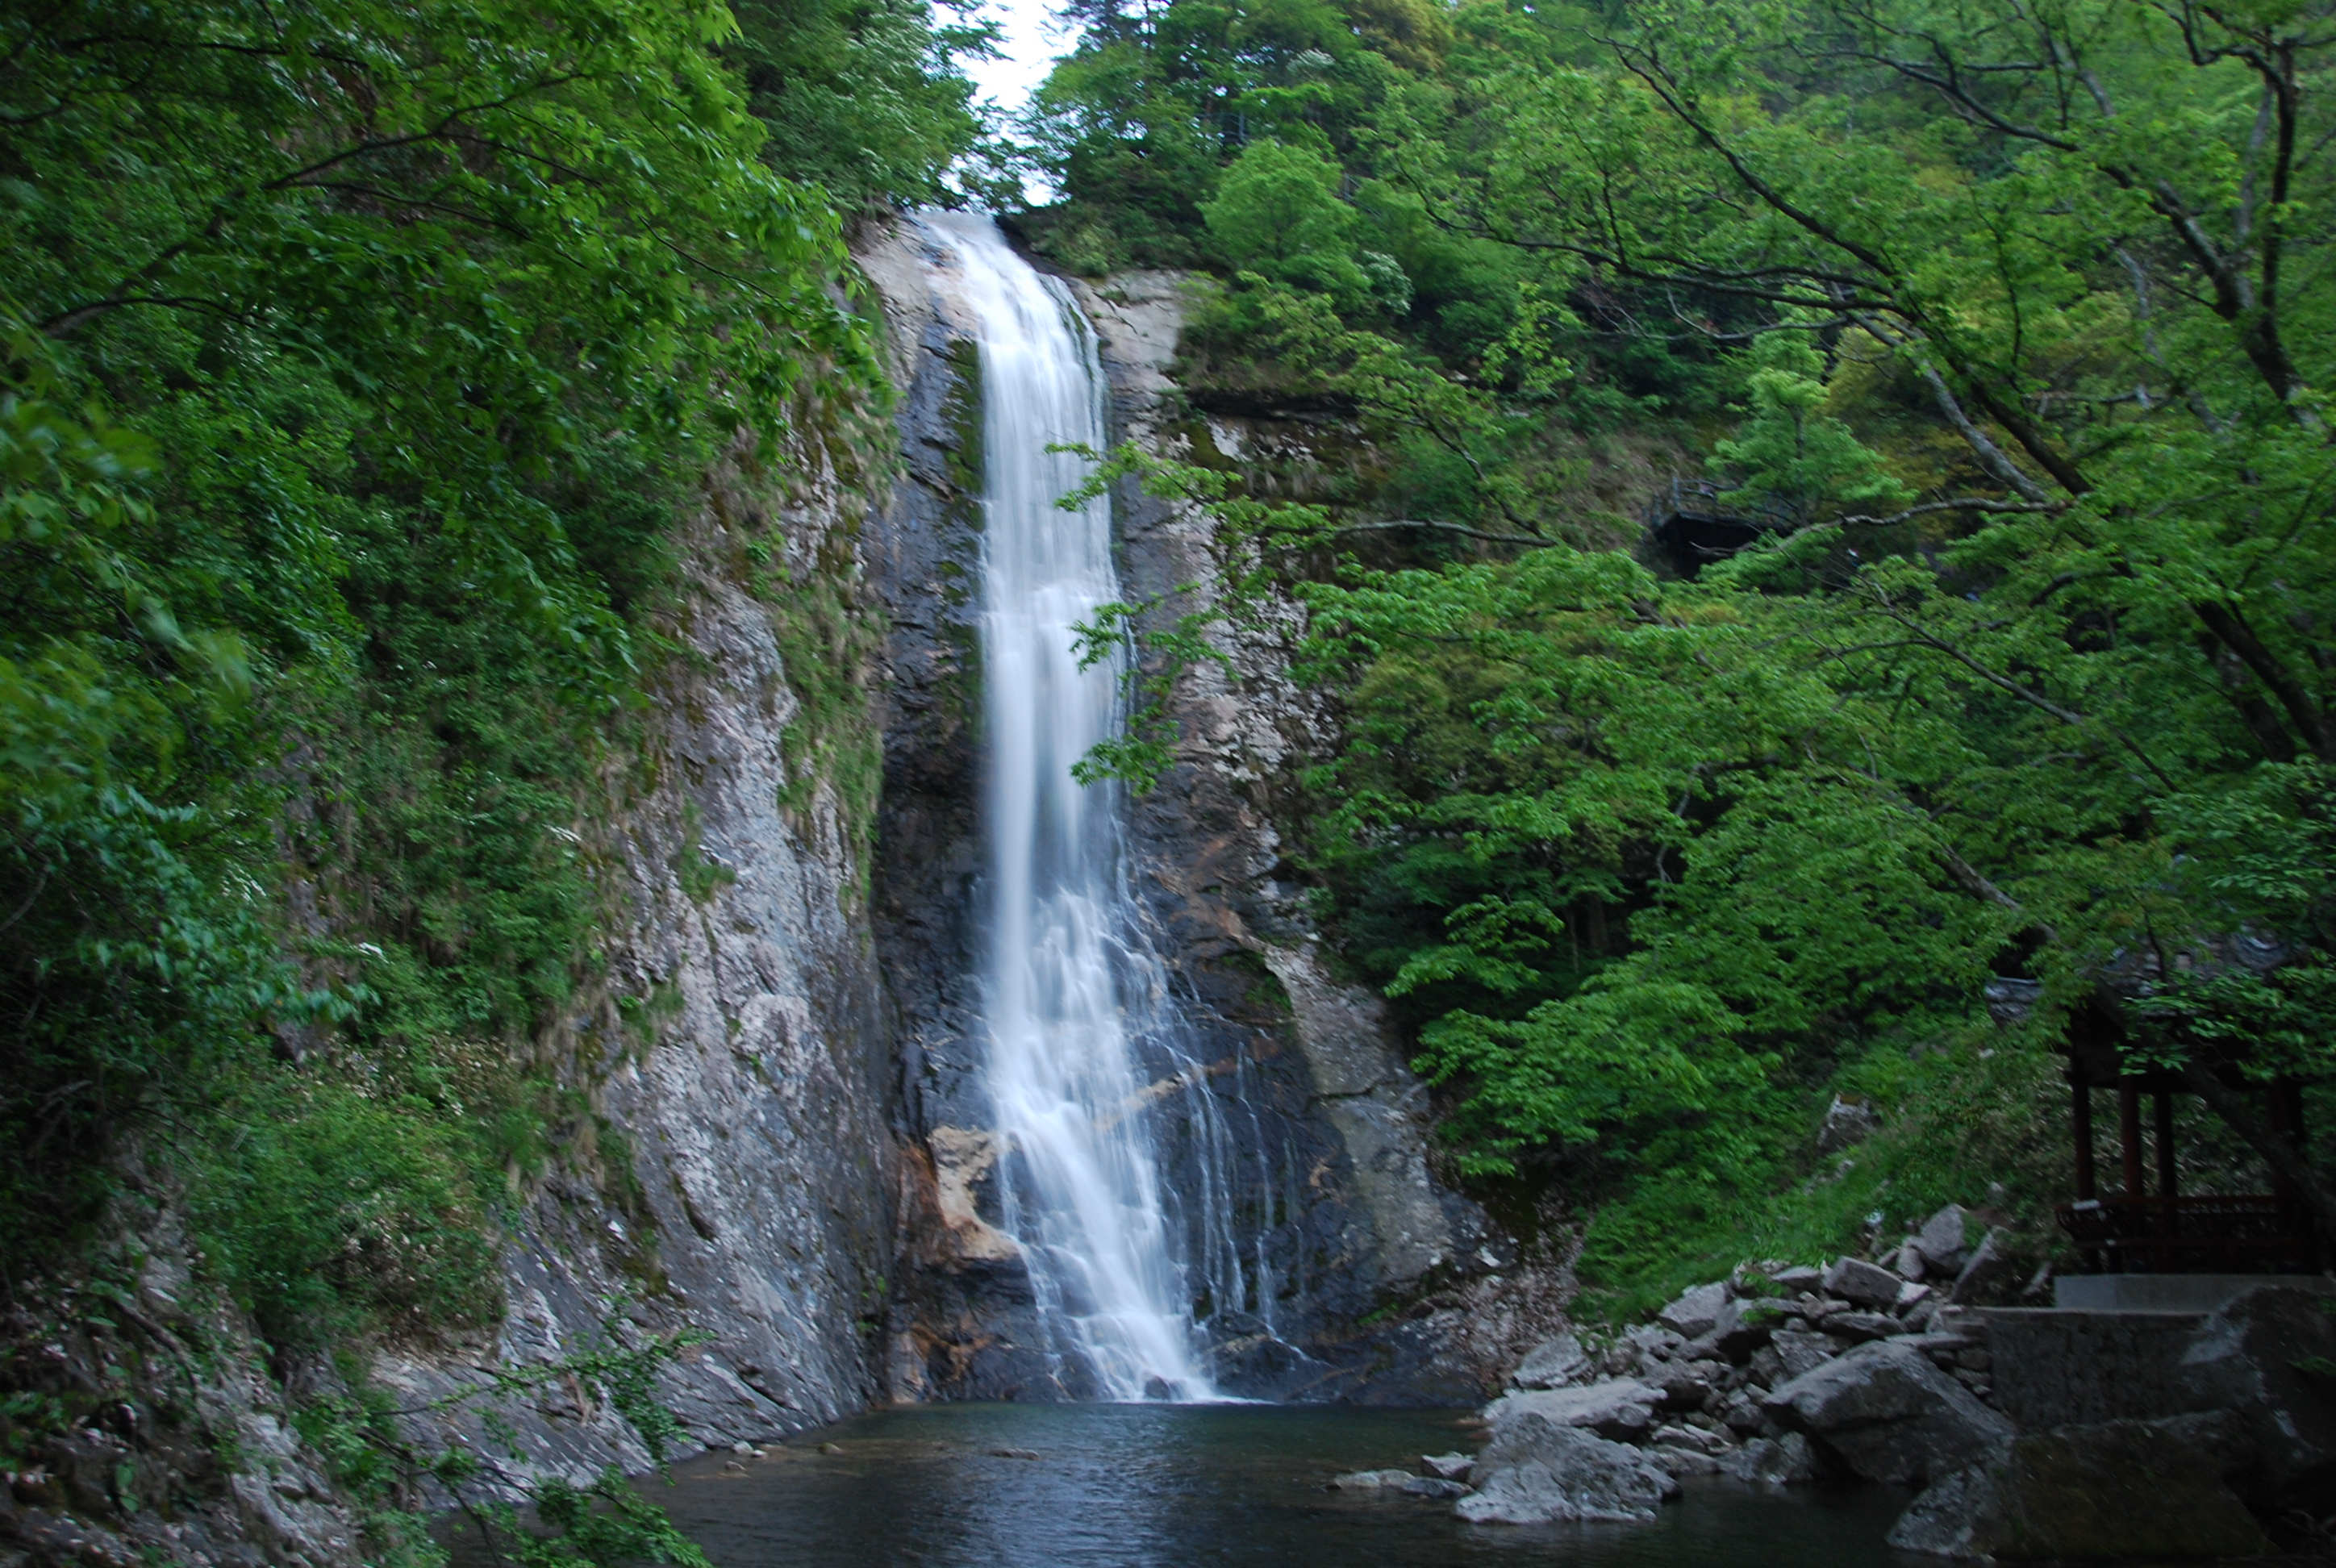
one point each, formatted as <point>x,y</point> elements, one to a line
<point>1070,983</point>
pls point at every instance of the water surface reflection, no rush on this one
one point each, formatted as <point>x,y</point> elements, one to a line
<point>1153,1486</point>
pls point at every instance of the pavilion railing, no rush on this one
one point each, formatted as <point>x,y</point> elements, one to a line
<point>2242,1233</point>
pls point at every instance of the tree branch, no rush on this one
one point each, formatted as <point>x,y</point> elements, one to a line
<point>2277,1152</point>
<point>1961,503</point>
<point>2231,628</point>
<point>1531,541</point>
<point>2033,698</point>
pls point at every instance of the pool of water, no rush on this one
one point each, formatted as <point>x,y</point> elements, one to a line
<point>1161,1487</point>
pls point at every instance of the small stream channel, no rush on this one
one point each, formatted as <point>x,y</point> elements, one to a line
<point>1161,1487</point>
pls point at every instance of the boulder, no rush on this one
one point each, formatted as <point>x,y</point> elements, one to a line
<point>1941,1242</point>
<point>1552,1363</point>
<point>2146,1489</point>
<point>1849,1120</point>
<point>1868,1285</point>
<point>1803,1352</point>
<point>1991,1276</point>
<point>1681,1463</point>
<point>1785,1461</point>
<point>1644,1341</point>
<point>1398,1483</point>
<point>1447,1466</point>
<point>1798,1278</point>
<point>1692,1315</point>
<point>1890,1414</point>
<point>1859,1327</point>
<point>1683,1385</point>
<point>1741,1328</point>
<point>1619,1407</point>
<point>1536,1471</point>
<point>1673,1436</point>
<point>1907,1262</point>
<point>2245,1359</point>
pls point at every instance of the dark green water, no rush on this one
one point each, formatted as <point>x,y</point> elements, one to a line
<point>1154,1486</point>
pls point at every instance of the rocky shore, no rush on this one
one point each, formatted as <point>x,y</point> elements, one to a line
<point>2223,1445</point>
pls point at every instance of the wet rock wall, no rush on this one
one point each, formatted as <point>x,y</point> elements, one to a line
<point>1326,1261</point>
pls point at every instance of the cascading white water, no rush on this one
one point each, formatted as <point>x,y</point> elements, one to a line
<point>1066,970</point>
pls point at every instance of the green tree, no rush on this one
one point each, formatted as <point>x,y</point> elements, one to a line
<point>1791,456</point>
<point>1275,204</point>
<point>861,97</point>
<point>1276,212</point>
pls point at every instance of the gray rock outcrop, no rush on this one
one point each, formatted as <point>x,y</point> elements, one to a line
<point>2252,1358</point>
<point>1890,1414</point>
<point>1783,1461</point>
<point>1696,1310</point>
<point>1537,1471</point>
<point>1940,1241</point>
<point>1287,1096</point>
<point>1867,1284</point>
<point>1764,1395</point>
<point>1849,1121</point>
<point>1992,1275</point>
<point>1803,1350</point>
<point>1554,1364</point>
<point>1619,1407</point>
<point>1400,1482</point>
<point>731,1169</point>
<point>2190,1424</point>
<point>2121,1489</point>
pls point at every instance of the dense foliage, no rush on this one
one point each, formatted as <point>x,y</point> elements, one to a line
<point>861,96</point>
<point>2025,318</point>
<point>359,356</point>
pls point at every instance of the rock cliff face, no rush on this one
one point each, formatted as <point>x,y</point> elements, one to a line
<point>728,1166</point>
<point>735,1176</point>
<point>1300,1146</point>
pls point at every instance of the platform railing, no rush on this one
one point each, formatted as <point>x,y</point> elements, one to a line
<point>2209,1234</point>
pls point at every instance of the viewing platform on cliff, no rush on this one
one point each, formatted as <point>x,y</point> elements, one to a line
<point>1691,525</point>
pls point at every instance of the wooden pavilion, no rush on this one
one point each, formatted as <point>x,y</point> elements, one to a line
<point>2144,1223</point>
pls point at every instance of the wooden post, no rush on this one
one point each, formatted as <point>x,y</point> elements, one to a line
<point>2129,1138</point>
<point>2169,1180</point>
<point>2301,1135</point>
<point>2167,1221</point>
<point>2290,1201</point>
<point>2081,1103</point>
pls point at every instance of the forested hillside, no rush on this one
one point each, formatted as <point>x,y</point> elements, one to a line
<point>2008,328</point>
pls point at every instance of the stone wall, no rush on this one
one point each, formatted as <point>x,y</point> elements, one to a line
<point>2058,1366</point>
